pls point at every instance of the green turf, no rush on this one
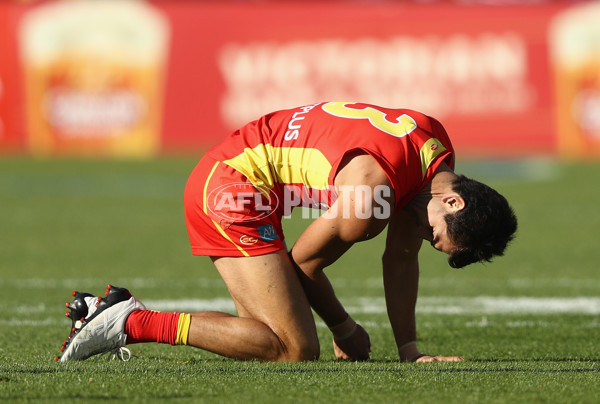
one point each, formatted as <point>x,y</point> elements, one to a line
<point>68,225</point>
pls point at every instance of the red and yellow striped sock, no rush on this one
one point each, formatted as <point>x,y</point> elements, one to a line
<point>153,326</point>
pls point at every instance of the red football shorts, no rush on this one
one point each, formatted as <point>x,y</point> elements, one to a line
<point>226,216</point>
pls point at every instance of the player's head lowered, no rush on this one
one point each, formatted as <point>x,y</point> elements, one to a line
<point>483,228</point>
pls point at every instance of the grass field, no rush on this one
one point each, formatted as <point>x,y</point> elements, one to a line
<point>529,324</point>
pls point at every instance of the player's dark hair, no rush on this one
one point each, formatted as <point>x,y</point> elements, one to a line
<point>483,228</point>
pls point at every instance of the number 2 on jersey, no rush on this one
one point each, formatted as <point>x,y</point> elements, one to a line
<point>403,126</point>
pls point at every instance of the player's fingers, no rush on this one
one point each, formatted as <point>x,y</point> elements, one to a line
<point>428,358</point>
<point>450,358</point>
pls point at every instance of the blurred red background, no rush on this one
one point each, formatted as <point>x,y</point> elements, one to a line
<point>489,73</point>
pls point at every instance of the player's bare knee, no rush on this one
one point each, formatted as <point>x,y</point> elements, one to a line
<point>303,351</point>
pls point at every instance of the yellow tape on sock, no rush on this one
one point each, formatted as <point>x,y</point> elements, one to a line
<point>183,329</point>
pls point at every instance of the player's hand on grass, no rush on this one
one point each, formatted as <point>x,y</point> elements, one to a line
<point>431,358</point>
<point>409,353</point>
<point>357,346</point>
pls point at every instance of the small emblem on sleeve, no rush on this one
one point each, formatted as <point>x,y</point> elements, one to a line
<point>430,150</point>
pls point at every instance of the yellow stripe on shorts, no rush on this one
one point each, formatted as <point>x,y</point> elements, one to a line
<point>206,186</point>
<point>204,208</point>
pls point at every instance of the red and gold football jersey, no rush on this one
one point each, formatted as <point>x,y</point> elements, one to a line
<point>301,148</point>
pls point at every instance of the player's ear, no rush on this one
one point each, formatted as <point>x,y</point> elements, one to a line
<point>453,201</point>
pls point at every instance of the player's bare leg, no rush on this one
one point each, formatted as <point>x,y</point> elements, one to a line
<point>274,319</point>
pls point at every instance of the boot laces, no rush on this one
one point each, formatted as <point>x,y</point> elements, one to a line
<point>122,353</point>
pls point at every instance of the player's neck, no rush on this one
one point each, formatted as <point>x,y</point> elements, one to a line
<point>442,180</point>
<point>440,185</point>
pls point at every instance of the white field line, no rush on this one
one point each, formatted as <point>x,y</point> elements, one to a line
<point>217,304</point>
<point>434,305</point>
<point>481,305</point>
<point>492,305</point>
<point>97,285</point>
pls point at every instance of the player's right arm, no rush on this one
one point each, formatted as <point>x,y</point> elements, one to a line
<point>401,281</point>
<point>401,284</point>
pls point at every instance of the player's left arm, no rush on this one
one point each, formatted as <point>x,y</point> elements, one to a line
<point>401,282</point>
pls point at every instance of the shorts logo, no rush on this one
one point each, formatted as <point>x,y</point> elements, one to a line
<point>267,232</point>
<point>248,240</point>
<point>242,202</point>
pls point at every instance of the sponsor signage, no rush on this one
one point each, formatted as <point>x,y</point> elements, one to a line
<point>179,76</point>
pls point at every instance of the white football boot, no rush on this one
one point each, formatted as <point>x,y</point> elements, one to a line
<point>101,327</point>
